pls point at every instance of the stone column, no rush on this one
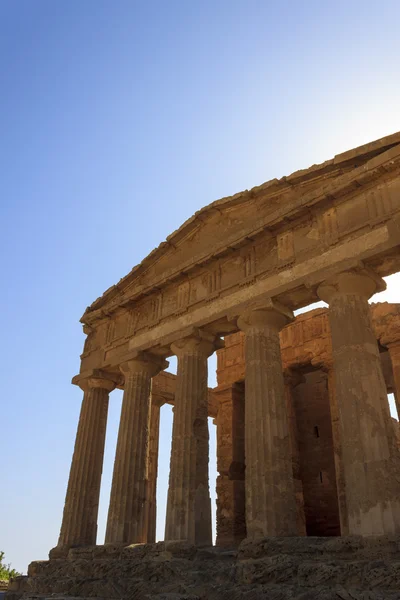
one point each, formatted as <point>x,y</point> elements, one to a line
<point>154,435</point>
<point>394,351</point>
<point>189,505</point>
<point>370,455</point>
<point>79,524</point>
<point>293,378</point>
<point>231,519</point>
<point>337,448</point>
<point>127,511</point>
<point>270,496</point>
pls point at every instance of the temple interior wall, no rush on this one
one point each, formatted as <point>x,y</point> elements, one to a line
<point>231,521</point>
<point>306,405</point>
<point>316,454</point>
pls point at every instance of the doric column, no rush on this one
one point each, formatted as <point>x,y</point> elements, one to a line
<point>154,435</point>
<point>189,505</point>
<point>270,496</point>
<point>337,447</point>
<point>293,378</point>
<point>79,524</point>
<point>394,351</point>
<point>370,455</point>
<point>231,519</point>
<point>127,511</point>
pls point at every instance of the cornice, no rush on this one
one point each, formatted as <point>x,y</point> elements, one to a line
<point>347,173</point>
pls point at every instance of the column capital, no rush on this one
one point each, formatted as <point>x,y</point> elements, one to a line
<point>198,342</point>
<point>97,379</point>
<point>364,283</point>
<point>272,314</point>
<point>144,362</point>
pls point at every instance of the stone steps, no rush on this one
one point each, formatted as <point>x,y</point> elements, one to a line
<point>269,569</point>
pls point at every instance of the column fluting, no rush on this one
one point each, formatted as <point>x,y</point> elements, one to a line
<point>270,495</point>
<point>126,522</point>
<point>154,436</point>
<point>370,454</point>
<point>79,523</point>
<point>337,448</point>
<point>189,505</point>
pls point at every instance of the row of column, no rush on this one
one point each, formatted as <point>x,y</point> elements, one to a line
<point>131,515</point>
<point>370,459</point>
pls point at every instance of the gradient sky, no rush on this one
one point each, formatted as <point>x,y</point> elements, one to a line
<point>119,119</point>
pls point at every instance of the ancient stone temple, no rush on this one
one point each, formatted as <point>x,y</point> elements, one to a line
<point>308,459</point>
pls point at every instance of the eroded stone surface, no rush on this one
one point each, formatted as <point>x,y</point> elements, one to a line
<point>270,497</point>
<point>280,568</point>
<point>189,504</point>
<point>245,262</point>
<point>306,348</point>
<point>127,518</point>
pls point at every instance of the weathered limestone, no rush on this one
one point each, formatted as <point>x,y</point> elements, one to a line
<point>280,240</point>
<point>370,455</point>
<point>316,459</point>
<point>231,520</point>
<point>386,319</point>
<point>127,511</point>
<point>337,450</point>
<point>305,346</point>
<point>292,379</point>
<point>151,499</point>
<point>79,524</point>
<point>270,497</point>
<point>394,351</point>
<point>189,505</point>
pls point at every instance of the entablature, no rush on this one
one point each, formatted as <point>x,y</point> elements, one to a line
<point>352,222</point>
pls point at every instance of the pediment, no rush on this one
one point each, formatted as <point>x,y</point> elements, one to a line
<point>228,223</point>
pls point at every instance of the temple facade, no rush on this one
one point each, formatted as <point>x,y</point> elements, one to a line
<point>319,489</point>
<point>306,443</point>
<point>308,459</point>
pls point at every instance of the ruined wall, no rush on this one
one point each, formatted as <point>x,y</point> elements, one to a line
<point>231,522</point>
<point>316,454</point>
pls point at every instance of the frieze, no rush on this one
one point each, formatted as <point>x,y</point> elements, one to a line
<point>249,263</point>
<point>183,296</point>
<point>212,281</point>
<point>328,226</point>
<point>380,201</point>
<point>110,331</point>
<point>266,207</point>
<point>265,256</point>
<point>155,309</point>
<point>133,322</point>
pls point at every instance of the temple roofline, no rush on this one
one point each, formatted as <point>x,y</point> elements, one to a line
<point>355,159</point>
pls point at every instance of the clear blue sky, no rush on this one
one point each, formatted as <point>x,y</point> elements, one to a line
<point>119,119</point>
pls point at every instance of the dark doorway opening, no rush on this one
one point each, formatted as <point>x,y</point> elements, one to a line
<point>312,413</point>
